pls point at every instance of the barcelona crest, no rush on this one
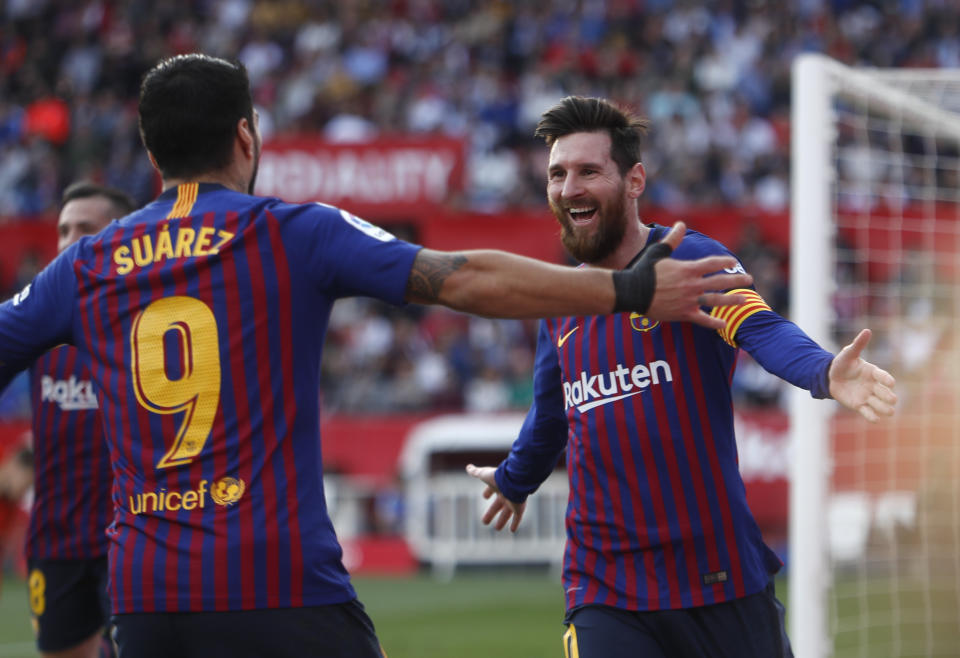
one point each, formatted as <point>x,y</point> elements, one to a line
<point>642,322</point>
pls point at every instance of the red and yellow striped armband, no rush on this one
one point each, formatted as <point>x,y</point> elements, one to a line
<point>735,315</point>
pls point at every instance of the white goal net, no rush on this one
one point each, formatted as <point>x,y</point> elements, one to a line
<point>874,562</point>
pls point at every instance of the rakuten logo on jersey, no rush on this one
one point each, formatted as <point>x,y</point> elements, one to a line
<point>71,394</point>
<point>588,392</point>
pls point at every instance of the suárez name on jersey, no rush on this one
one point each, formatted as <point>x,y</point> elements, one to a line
<point>589,391</point>
<point>182,242</point>
<point>71,394</point>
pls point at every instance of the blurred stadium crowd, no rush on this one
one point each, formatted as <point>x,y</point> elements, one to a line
<point>714,77</point>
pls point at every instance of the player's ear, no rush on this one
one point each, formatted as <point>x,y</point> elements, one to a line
<point>636,180</point>
<point>247,137</point>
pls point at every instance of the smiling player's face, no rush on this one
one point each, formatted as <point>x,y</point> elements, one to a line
<point>587,195</point>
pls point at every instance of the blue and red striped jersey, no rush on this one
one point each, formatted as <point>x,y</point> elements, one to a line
<point>204,315</point>
<point>72,478</point>
<point>657,516</point>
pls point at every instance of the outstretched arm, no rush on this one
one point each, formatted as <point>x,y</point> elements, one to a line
<point>499,284</point>
<point>782,348</point>
<point>860,385</point>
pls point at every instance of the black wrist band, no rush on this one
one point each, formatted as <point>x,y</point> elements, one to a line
<point>635,286</point>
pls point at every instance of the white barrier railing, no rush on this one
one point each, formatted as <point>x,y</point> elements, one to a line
<point>445,505</point>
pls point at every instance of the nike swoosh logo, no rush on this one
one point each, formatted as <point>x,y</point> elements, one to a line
<point>563,339</point>
<point>597,403</point>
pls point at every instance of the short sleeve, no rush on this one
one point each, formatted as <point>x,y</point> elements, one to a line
<point>349,256</point>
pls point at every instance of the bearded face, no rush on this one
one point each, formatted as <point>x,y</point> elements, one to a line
<point>593,201</point>
<point>591,229</point>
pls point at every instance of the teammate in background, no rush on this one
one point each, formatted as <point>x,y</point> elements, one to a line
<point>663,556</point>
<point>203,315</point>
<point>67,544</point>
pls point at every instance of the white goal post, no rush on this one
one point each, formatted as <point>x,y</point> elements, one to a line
<point>874,557</point>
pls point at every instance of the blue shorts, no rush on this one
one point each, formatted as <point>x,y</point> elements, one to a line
<point>751,627</point>
<point>341,630</point>
<point>68,601</point>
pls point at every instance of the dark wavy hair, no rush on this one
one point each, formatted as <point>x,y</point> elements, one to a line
<point>578,114</point>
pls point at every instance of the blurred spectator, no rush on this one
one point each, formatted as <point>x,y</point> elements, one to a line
<point>713,78</point>
<point>487,392</point>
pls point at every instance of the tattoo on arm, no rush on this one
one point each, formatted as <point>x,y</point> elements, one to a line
<point>430,270</point>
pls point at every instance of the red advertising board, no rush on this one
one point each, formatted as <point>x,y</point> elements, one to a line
<point>386,178</point>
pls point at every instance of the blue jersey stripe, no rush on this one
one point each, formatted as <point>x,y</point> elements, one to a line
<point>660,448</point>
<point>219,559</point>
<point>646,527</point>
<point>635,585</point>
<point>617,503</point>
<point>697,480</point>
<point>289,566</point>
<point>179,575</point>
<point>238,459</point>
<point>689,572</point>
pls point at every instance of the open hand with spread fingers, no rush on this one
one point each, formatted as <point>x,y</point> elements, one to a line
<point>860,385</point>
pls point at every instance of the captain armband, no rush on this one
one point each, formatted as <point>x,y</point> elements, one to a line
<point>735,315</point>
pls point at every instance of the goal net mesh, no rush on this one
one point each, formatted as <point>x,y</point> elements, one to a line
<point>893,494</point>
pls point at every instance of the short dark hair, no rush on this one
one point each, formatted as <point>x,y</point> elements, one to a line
<point>578,114</point>
<point>189,109</point>
<point>122,202</point>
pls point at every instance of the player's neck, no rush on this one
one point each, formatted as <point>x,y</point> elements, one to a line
<point>634,239</point>
<point>229,178</point>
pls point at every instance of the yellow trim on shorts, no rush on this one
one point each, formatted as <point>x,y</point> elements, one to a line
<point>570,647</point>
